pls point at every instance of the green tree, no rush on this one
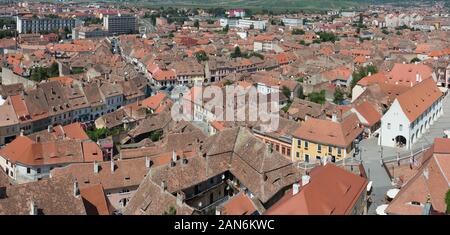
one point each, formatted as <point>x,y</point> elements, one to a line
<point>298,32</point>
<point>197,24</point>
<point>286,91</point>
<point>237,52</point>
<point>156,135</point>
<point>385,31</point>
<point>201,56</point>
<point>97,134</point>
<point>53,70</point>
<point>228,83</point>
<point>327,37</point>
<point>447,201</point>
<point>226,28</point>
<point>300,94</point>
<point>361,73</point>
<point>338,96</point>
<point>317,97</point>
<point>171,211</point>
<point>414,60</point>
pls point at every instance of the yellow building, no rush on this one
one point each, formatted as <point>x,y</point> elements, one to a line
<point>319,138</point>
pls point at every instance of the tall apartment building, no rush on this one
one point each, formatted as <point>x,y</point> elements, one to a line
<point>119,24</point>
<point>42,24</point>
<point>292,22</point>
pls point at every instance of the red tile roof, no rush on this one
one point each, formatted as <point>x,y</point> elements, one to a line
<point>419,98</point>
<point>331,191</point>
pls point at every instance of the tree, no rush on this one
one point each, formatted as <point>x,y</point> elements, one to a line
<point>171,211</point>
<point>361,73</point>
<point>327,37</point>
<point>385,31</point>
<point>237,52</point>
<point>97,134</point>
<point>286,91</point>
<point>228,83</point>
<point>197,24</point>
<point>300,94</point>
<point>226,28</point>
<point>298,31</point>
<point>201,56</point>
<point>414,60</point>
<point>338,96</point>
<point>447,201</point>
<point>156,135</point>
<point>317,97</point>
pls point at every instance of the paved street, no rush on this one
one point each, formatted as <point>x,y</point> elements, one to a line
<point>371,155</point>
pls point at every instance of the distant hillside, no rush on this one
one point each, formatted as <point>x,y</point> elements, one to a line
<point>253,4</point>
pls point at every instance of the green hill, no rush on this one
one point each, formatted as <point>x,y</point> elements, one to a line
<point>253,4</point>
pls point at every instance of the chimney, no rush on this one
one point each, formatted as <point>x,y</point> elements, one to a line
<point>420,78</point>
<point>21,132</point>
<point>33,208</point>
<point>295,188</point>
<point>334,117</point>
<point>184,161</point>
<point>412,84</point>
<point>38,139</point>
<point>96,167</point>
<point>305,179</point>
<point>174,156</point>
<point>180,198</point>
<point>370,73</point>
<point>417,77</point>
<point>112,165</point>
<point>76,190</point>
<point>50,128</point>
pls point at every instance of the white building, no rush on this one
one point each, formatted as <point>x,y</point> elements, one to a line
<point>411,114</point>
<point>246,24</point>
<point>292,22</point>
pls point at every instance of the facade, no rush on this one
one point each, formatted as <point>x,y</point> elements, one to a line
<point>246,24</point>
<point>120,24</point>
<point>292,22</point>
<point>411,114</point>
<point>318,139</point>
<point>37,25</point>
<point>88,32</point>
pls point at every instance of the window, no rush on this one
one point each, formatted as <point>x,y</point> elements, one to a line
<point>319,148</point>
<point>330,149</point>
<point>288,152</point>
<point>299,143</point>
<point>38,170</point>
<point>306,158</point>
<point>400,127</point>
<point>283,150</point>
<point>298,155</point>
<point>388,126</point>
<point>28,170</point>
<point>306,144</point>
<point>339,151</point>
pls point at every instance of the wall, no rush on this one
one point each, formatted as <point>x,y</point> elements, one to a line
<point>9,77</point>
<point>313,152</point>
